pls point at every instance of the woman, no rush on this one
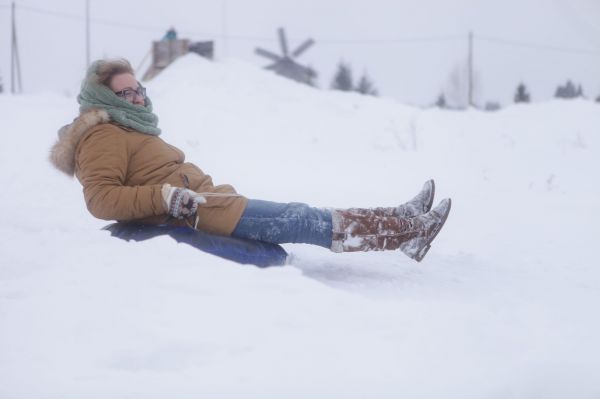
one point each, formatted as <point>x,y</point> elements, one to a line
<point>129,174</point>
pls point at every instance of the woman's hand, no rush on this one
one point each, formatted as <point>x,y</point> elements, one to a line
<point>181,202</point>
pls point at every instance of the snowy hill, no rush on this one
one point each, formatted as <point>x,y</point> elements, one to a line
<point>504,305</point>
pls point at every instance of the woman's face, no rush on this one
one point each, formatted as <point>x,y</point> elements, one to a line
<point>126,83</point>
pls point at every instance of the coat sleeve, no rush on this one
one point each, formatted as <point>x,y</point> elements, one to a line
<point>102,169</point>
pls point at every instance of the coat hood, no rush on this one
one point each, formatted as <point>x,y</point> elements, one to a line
<point>62,153</point>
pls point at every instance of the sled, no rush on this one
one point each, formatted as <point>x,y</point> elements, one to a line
<point>240,250</point>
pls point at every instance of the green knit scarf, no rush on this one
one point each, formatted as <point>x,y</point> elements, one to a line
<point>95,95</point>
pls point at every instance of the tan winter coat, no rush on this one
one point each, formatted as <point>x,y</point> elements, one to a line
<point>122,172</point>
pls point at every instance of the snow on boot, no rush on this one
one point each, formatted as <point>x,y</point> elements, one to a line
<point>431,222</point>
<point>367,231</point>
<point>419,205</point>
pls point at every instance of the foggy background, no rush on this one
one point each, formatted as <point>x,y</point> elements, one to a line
<point>408,49</point>
<point>504,305</point>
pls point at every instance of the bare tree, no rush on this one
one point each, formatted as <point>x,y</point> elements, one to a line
<point>457,87</point>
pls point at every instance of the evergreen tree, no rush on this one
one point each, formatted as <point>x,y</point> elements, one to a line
<point>441,101</point>
<point>365,86</point>
<point>522,95</point>
<point>579,92</point>
<point>566,91</point>
<point>343,78</point>
<point>598,98</point>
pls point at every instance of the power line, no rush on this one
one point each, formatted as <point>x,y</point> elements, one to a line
<point>81,17</point>
<point>397,40</point>
<point>237,37</point>
<point>50,12</point>
<point>326,41</point>
<point>536,46</point>
<point>100,21</point>
<point>115,24</point>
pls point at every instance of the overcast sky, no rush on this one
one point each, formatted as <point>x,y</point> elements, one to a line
<point>408,48</point>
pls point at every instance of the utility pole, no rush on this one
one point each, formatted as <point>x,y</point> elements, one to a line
<point>12,48</point>
<point>87,33</point>
<point>470,68</point>
<point>224,28</point>
<point>15,65</point>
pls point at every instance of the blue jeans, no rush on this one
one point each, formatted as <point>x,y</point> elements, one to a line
<point>285,223</point>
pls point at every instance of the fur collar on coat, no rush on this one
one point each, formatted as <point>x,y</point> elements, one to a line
<point>62,153</point>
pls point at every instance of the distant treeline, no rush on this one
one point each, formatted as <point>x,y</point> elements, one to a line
<point>569,90</point>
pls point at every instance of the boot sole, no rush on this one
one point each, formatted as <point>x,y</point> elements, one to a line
<point>421,254</point>
<point>425,248</point>
<point>430,204</point>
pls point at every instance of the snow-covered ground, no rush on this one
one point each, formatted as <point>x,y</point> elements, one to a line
<point>505,305</point>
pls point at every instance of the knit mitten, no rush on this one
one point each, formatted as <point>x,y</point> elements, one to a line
<point>181,202</point>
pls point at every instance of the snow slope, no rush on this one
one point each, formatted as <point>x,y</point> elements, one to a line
<point>504,305</point>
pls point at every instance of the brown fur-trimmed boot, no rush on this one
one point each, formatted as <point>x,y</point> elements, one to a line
<point>367,231</point>
<point>419,205</point>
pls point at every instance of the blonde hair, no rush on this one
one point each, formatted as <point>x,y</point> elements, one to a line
<point>107,69</point>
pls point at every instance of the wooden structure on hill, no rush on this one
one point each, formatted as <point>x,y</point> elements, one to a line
<point>164,52</point>
<point>286,64</point>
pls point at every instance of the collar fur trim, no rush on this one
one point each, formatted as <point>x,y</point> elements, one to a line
<point>62,153</point>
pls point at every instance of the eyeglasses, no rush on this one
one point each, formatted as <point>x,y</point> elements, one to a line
<point>130,94</point>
